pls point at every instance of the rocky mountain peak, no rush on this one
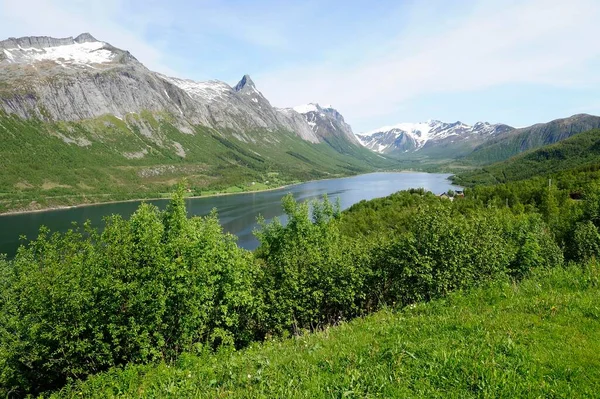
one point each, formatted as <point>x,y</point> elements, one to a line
<point>245,82</point>
<point>70,54</point>
<point>326,122</point>
<point>42,42</point>
<point>85,38</point>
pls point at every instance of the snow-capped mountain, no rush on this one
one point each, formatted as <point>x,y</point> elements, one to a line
<point>325,121</point>
<point>80,78</point>
<point>412,137</point>
<point>82,52</point>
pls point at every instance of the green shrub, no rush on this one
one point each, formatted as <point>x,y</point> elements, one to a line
<point>311,277</point>
<point>161,284</point>
<point>145,289</point>
<point>586,242</point>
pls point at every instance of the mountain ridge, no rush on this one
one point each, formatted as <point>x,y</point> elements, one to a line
<point>414,137</point>
<point>326,122</point>
<point>81,78</point>
<point>578,152</point>
<point>514,142</point>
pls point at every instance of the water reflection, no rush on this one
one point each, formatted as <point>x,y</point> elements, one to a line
<point>237,213</point>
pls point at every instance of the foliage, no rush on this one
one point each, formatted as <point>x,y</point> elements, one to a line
<point>160,285</point>
<point>145,289</point>
<point>538,338</point>
<point>311,272</point>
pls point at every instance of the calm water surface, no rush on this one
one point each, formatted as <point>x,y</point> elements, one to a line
<point>237,213</point>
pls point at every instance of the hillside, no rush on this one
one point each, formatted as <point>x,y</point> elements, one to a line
<point>144,155</point>
<point>516,141</point>
<point>84,121</point>
<point>580,151</point>
<point>535,339</point>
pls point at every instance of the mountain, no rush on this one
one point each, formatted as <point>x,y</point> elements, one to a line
<point>97,118</point>
<point>81,78</point>
<point>510,143</point>
<point>406,139</point>
<point>327,124</point>
<point>581,151</point>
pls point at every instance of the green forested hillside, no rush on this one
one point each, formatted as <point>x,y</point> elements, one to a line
<point>45,164</point>
<point>578,153</point>
<point>514,142</point>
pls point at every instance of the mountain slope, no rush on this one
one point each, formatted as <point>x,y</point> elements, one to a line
<point>431,138</point>
<point>579,151</point>
<point>516,141</point>
<point>99,124</point>
<point>326,122</point>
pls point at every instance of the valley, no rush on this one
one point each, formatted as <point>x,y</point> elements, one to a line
<point>82,122</point>
<point>80,128</point>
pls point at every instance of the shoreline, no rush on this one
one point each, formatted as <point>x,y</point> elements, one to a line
<point>66,207</point>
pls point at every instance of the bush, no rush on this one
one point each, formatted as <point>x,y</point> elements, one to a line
<point>145,289</point>
<point>586,242</point>
<point>311,276</point>
<point>443,251</point>
<point>161,284</point>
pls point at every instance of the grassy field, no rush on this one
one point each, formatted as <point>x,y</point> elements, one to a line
<point>537,338</point>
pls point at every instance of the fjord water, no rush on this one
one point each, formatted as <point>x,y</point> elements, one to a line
<point>237,213</point>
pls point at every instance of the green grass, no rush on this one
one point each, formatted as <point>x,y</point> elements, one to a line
<point>538,338</point>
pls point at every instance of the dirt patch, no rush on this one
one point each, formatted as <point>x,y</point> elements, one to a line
<point>23,185</point>
<point>49,185</point>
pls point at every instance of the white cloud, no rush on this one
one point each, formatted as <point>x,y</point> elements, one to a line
<point>547,42</point>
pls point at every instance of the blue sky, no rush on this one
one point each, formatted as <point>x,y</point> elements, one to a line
<point>377,62</point>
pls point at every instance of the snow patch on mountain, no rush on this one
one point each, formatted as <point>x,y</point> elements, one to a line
<point>414,136</point>
<point>306,108</point>
<point>76,53</point>
<point>208,90</point>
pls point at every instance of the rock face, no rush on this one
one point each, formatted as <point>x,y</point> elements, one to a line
<point>44,42</point>
<point>80,78</point>
<point>413,137</point>
<point>326,122</point>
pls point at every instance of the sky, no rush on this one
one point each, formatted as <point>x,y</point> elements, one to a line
<point>377,62</point>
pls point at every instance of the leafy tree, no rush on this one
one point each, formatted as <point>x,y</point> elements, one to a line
<point>310,277</point>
